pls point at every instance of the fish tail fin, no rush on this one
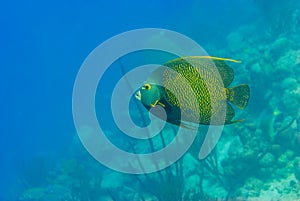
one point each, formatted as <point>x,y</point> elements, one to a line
<point>239,95</point>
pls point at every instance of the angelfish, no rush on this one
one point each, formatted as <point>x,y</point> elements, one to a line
<point>197,71</point>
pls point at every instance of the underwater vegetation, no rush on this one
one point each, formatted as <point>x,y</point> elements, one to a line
<point>258,159</point>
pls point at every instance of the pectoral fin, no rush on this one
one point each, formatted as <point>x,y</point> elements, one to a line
<point>239,95</point>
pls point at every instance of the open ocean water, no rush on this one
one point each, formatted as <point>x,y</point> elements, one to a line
<point>66,73</point>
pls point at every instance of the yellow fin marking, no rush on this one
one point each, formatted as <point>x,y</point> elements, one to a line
<point>218,58</point>
<point>157,102</point>
<point>210,57</point>
<point>161,104</point>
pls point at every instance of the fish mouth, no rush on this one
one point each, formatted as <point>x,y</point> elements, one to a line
<point>138,95</point>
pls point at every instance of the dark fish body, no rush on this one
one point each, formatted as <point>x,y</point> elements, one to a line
<point>205,79</point>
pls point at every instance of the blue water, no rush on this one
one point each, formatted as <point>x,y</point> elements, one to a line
<point>43,44</point>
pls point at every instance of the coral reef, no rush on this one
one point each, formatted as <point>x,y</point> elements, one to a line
<point>281,17</point>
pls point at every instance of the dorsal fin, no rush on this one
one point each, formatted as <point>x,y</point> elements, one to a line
<point>226,72</point>
<point>217,58</point>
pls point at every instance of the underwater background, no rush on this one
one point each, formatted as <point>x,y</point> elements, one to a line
<point>43,44</point>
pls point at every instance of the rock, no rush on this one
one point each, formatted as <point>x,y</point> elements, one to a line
<point>255,68</point>
<point>282,160</point>
<point>253,186</point>
<point>290,154</point>
<point>289,83</point>
<point>265,173</point>
<point>279,189</point>
<point>235,147</point>
<point>297,168</point>
<point>296,142</point>
<point>33,194</point>
<point>289,60</point>
<point>291,103</point>
<point>279,47</point>
<point>249,156</point>
<point>268,160</point>
<point>276,150</point>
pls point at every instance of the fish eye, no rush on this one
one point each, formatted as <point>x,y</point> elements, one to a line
<point>147,86</point>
